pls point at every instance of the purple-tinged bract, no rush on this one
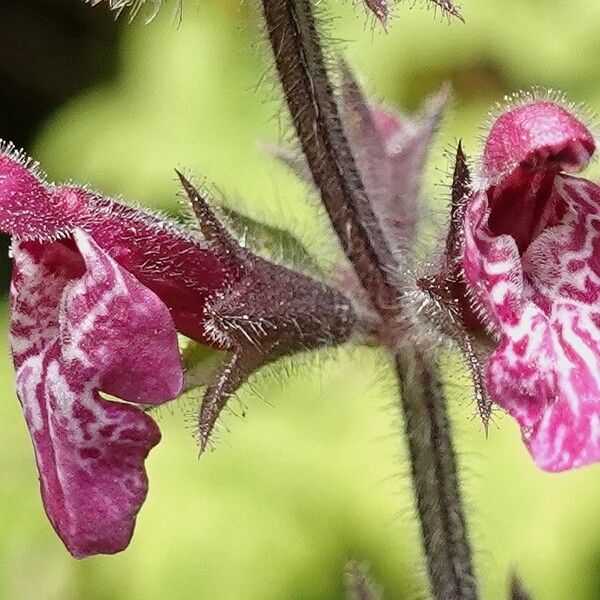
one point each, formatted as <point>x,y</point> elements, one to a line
<point>390,150</point>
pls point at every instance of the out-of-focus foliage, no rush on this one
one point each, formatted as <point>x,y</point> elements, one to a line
<point>314,474</point>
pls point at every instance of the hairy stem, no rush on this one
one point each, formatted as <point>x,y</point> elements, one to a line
<point>435,478</point>
<point>308,91</point>
<point>309,95</point>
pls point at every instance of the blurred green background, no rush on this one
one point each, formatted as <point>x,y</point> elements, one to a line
<point>315,473</point>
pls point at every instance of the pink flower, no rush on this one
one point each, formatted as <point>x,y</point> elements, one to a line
<point>532,262</point>
<point>99,291</point>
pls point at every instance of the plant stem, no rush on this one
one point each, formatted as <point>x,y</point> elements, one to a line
<point>294,38</point>
<point>309,95</point>
<point>435,478</point>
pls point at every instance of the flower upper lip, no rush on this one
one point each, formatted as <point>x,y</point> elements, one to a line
<point>526,148</point>
<point>538,134</point>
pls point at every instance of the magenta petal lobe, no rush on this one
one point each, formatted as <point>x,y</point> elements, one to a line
<point>82,325</point>
<point>111,321</point>
<point>26,207</point>
<point>90,455</point>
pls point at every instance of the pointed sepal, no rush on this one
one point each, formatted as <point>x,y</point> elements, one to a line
<point>223,243</point>
<point>359,585</point>
<point>272,311</point>
<point>453,313</point>
<point>226,380</point>
<point>380,8</point>
<point>517,589</point>
<point>448,8</point>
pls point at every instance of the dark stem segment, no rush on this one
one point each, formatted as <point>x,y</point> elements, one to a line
<point>435,478</point>
<point>309,94</point>
<point>300,63</point>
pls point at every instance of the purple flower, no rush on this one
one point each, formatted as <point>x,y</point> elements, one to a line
<point>532,263</point>
<point>82,324</point>
<point>99,292</point>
